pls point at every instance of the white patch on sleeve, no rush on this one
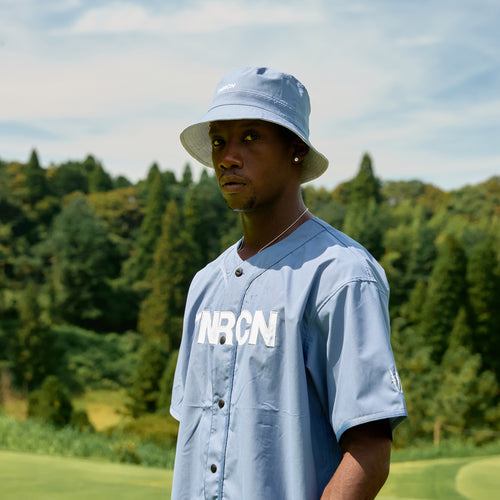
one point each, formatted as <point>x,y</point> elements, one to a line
<point>396,381</point>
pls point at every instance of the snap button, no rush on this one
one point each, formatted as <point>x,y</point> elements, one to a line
<point>213,468</point>
<point>222,340</point>
<point>221,403</point>
<point>238,272</point>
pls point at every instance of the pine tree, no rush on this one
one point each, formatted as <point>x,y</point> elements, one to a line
<point>99,180</point>
<point>36,181</point>
<point>144,389</point>
<point>205,219</point>
<point>365,186</point>
<point>365,218</point>
<point>466,396</point>
<point>446,294</point>
<point>416,367</point>
<point>162,310</point>
<point>167,382</point>
<point>31,343</point>
<point>365,222</point>
<point>483,287</point>
<point>137,267</point>
<point>187,176</point>
<point>84,259</point>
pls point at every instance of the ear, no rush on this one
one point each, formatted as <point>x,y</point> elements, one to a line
<point>299,151</point>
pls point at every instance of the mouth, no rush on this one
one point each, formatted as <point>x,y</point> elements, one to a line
<point>231,183</point>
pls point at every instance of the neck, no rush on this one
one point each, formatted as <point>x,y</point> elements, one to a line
<point>261,230</point>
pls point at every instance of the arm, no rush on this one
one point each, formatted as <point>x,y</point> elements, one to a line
<point>363,470</point>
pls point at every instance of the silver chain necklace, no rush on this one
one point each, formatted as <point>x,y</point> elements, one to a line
<point>282,232</point>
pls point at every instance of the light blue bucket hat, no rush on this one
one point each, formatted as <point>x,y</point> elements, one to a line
<point>262,94</point>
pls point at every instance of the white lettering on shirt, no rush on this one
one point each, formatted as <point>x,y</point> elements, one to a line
<point>246,328</point>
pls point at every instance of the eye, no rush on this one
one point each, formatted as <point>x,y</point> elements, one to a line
<point>250,136</point>
<point>217,142</point>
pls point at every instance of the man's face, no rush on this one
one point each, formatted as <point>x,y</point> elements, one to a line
<point>253,163</point>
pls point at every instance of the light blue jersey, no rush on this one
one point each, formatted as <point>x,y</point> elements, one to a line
<point>281,354</point>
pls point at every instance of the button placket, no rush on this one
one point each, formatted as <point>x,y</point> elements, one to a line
<point>222,379</point>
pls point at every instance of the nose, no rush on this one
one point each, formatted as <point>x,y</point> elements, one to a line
<point>227,157</point>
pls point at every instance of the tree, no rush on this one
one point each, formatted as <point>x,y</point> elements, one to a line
<point>187,176</point>
<point>150,230</point>
<point>99,180</point>
<point>365,186</point>
<point>36,181</point>
<point>365,218</point>
<point>68,178</point>
<point>51,403</point>
<point>167,382</point>
<point>365,222</point>
<point>31,343</point>
<point>84,259</point>
<point>162,310</point>
<point>416,367</point>
<point>205,219</point>
<point>483,287</point>
<point>466,396</point>
<point>144,389</point>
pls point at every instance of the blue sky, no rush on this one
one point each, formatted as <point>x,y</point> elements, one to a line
<point>414,83</point>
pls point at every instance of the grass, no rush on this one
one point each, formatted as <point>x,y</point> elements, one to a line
<point>39,477</point>
<point>473,478</point>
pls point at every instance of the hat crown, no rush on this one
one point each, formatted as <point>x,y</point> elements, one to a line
<point>276,92</point>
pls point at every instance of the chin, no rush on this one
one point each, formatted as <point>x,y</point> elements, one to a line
<point>247,206</point>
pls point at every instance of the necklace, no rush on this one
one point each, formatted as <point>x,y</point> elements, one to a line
<point>284,231</point>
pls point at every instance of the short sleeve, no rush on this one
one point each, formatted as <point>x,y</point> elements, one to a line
<point>350,358</point>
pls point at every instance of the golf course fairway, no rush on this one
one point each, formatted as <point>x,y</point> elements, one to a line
<point>40,477</point>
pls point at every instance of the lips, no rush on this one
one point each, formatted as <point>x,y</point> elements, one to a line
<point>231,182</point>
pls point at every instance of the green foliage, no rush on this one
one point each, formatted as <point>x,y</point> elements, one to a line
<point>35,436</point>
<point>483,286</point>
<point>87,360</point>
<point>68,178</point>
<point>167,382</point>
<point>445,294</point>
<point>365,186</point>
<point>30,345</point>
<point>150,229</point>
<point>83,259</point>
<point>161,311</point>
<point>80,421</point>
<point>36,181</point>
<point>154,428</point>
<point>51,403</point>
<point>110,256</point>
<point>144,389</point>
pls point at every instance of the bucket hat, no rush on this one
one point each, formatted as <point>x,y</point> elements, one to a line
<point>262,94</point>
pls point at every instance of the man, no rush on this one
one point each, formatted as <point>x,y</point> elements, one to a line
<point>286,386</point>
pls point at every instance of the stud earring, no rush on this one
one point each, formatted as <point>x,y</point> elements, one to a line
<point>296,159</point>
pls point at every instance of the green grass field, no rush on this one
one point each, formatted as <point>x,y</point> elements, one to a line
<point>25,476</point>
<point>475,478</point>
<point>39,477</point>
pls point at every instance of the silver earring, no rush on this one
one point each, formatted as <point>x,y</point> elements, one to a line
<point>296,159</point>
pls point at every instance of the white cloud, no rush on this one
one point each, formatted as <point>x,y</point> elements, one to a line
<point>204,17</point>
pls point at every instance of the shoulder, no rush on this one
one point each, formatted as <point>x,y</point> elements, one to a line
<point>341,259</point>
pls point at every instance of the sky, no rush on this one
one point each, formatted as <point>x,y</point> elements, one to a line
<point>414,83</point>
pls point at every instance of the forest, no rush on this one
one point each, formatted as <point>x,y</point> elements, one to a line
<point>94,272</point>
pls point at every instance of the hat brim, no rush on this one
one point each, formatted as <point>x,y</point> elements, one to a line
<point>196,140</point>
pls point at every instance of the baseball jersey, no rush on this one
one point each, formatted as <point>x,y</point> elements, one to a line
<point>280,354</point>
